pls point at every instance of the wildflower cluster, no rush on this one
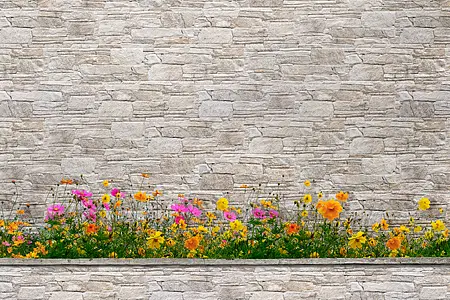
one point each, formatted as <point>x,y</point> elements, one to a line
<point>136,224</point>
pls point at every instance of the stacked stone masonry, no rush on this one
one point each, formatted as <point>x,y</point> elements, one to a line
<point>209,95</point>
<point>423,279</point>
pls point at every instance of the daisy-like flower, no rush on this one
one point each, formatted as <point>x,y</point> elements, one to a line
<point>230,216</point>
<point>55,209</point>
<point>424,204</point>
<point>115,192</point>
<point>258,213</point>
<point>356,240</point>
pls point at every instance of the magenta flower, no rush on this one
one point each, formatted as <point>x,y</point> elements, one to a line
<point>258,213</point>
<point>106,206</point>
<point>89,204</point>
<point>115,192</point>
<point>273,214</point>
<point>230,216</point>
<point>194,210</point>
<point>179,208</point>
<point>178,219</point>
<point>90,215</point>
<point>55,209</point>
<point>82,193</point>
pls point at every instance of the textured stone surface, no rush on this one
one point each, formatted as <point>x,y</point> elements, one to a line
<point>185,279</point>
<point>351,94</point>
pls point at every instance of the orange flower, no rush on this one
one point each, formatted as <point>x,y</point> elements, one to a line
<point>330,209</point>
<point>156,193</point>
<point>292,228</point>
<point>145,175</point>
<point>244,186</point>
<point>393,243</point>
<point>117,204</point>
<point>20,212</point>
<point>192,243</point>
<point>66,181</point>
<point>140,196</point>
<point>341,196</point>
<point>91,228</point>
<point>197,202</point>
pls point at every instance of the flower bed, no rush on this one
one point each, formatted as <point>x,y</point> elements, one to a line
<point>124,224</point>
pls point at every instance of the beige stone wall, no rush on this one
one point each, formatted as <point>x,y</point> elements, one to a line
<point>323,279</point>
<point>209,95</point>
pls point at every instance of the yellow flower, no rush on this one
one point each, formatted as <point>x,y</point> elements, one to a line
<point>211,216</point>
<point>418,228</point>
<point>222,204</point>
<point>403,228</point>
<point>304,213</point>
<point>106,198</point>
<point>102,213</point>
<point>201,229</point>
<point>2,223</point>
<point>384,224</point>
<point>429,235</point>
<point>320,195</point>
<point>236,225</point>
<point>356,240</point>
<point>105,183</point>
<point>267,204</point>
<point>170,242</point>
<point>113,255</point>
<point>307,183</point>
<point>372,242</point>
<point>376,227</point>
<point>216,229</point>
<point>424,204</point>
<point>314,255</point>
<point>441,210</point>
<point>307,198</point>
<point>155,240</point>
<point>438,225</point>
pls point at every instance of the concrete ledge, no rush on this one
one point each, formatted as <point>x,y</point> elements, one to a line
<point>423,261</point>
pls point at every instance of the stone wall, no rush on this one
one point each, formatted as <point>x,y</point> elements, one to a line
<point>209,95</point>
<point>160,279</point>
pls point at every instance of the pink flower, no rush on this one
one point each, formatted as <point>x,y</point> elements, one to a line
<point>115,192</point>
<point>82,193</point>
<point>90,215</point>
<point>55,209</point>
<point>106,206</point>
<point>178,219</point>
<point>5,243</point>
<point>194,210</point>
<point>179,208</point>
<point>273,214</point>
<point>89,204</point>
<point>109,228</point>
<point>229,216</point>
<point>258,213</point>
